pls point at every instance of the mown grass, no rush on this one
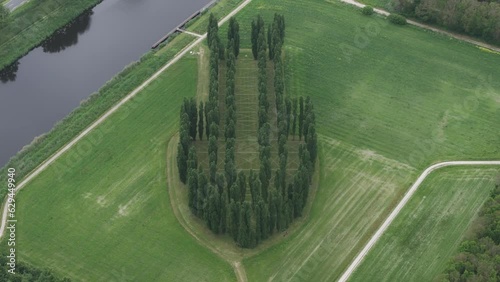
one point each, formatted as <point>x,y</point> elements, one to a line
<point>401,95</point>
<point>400,99</point>
<point>33,22</point>
<point>109,218</point>
<point>426,234</point>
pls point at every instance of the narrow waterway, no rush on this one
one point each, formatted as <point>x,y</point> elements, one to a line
<point>48,83</point>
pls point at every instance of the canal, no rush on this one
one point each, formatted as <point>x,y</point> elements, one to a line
<point>49,82</point>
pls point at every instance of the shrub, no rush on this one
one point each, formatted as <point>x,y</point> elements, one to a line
<point>4,14</point>
<point>397,19</point>
<point>367,10</point>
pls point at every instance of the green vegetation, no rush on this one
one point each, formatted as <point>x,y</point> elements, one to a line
<point>429,229</point>
<point>118,220</point>
<point>220,199</point>
<point>33,22</point>
<point>96,105</point>
<point>478,257</point>
<point>477,18</point>
<point>473,17</point>
<point>367,10</point>
<point>375,136</point>
<point>168,231</point>
<point>26,272</point>
<point>222,8</point>
<point>4,15</point>
<point>397,19</point>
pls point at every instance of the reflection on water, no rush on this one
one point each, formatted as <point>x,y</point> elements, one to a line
<point>68,35</point>
<point>48,83</point>
<point>61,39</point>
<point>9,73</point>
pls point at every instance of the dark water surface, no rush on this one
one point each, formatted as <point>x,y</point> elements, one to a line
<point>49,82</point>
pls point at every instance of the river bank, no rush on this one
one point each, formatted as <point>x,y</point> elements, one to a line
<point>98,103</point>
<point>34,22</point>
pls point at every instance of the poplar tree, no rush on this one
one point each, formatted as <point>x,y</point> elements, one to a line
<point>201,113</point>
<point>301,116</point>
<point>234,219</point>
<point>201,194</point>
<point>242,185</point>
<point>294,122</point>
<point>254,35</point>
<point>193,190</point>
<point>182,163</point>
<point>288,104</point>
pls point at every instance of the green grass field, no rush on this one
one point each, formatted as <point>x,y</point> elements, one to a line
<point>112,215</point>
<point>389,101</point>
<point>400,97</point>
<point>426,234</point>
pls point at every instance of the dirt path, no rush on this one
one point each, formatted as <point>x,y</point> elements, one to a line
<point>189,32</point>
<point>438,30</point>
<point>359,258</point>
<point>239,270</point>
<point>72,143</point>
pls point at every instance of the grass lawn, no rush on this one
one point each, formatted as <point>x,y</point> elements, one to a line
<point>110,219</point>
<point>426,234</point>
<point>389,101</point>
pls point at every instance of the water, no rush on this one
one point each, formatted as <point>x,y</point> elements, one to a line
<point>49,82</point>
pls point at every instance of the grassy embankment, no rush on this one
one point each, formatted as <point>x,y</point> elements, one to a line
<point>33,22</point>
<point>384,112</point>
<point>427,233</point>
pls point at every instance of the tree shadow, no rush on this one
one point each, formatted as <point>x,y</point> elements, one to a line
<point>68,35</point>
<point>9,73</point>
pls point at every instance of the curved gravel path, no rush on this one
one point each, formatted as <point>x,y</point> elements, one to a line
<point>359,258</point>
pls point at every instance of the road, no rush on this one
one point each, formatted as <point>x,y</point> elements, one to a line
<point>425,26</point>
<point>70,145</point>
<point>359,258</point>
<point>14,4</point>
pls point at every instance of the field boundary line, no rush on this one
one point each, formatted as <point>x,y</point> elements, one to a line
<point>373,240</point>
<point>457,36</point>
<point>104,117</point>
